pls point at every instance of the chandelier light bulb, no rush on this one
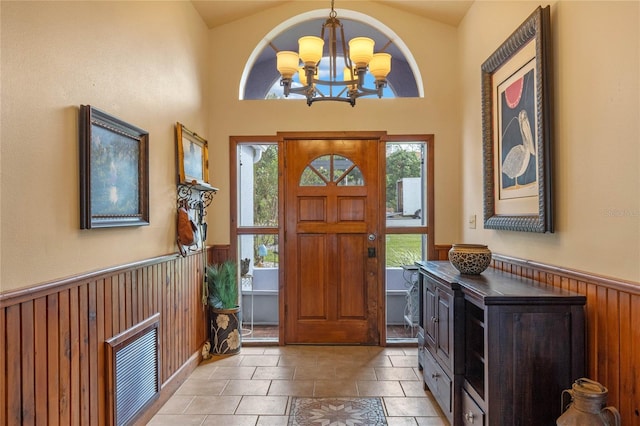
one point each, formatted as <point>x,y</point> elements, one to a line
<point>287,63</point>
<point>361,51</point>
<point>380,65</point>
<point>310,48</point>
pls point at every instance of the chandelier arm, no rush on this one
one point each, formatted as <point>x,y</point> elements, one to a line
<point>380,85</point>
<point>369,92</point>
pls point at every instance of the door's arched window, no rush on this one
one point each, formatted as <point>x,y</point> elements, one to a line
<point>331,170</point>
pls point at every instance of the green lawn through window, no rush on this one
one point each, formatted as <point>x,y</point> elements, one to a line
<point>403,249</point>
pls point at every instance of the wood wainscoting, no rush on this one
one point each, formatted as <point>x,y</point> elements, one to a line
<point>52,340</point>
<point>52,350</point>
<point>442,251</point>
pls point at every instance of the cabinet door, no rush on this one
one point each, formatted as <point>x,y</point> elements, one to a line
<point>531,351</point>
<point>444,327</point>
<point>430,315</point>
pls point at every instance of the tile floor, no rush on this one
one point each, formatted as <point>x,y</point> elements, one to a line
<point>255,386</point>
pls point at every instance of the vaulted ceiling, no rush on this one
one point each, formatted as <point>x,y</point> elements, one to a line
<point>220,12</point>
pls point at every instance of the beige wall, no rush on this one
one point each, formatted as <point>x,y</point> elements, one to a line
<point>596,140</point>
<point>147,63</point>
<point>144,62</point>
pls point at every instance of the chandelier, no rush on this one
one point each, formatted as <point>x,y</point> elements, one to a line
<point>358,58</point>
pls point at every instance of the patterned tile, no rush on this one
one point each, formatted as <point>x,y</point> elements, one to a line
<point>337,412</point>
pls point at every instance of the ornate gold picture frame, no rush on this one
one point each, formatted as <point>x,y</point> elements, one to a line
<point>193,158</point>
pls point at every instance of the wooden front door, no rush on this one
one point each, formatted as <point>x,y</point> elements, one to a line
<point>332,287</point>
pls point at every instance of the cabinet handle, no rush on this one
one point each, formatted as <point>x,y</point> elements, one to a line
<point>436,320</point>
<point>434,375</point>
<point>469,417</point>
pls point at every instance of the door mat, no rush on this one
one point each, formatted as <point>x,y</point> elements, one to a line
<point>337,412</point>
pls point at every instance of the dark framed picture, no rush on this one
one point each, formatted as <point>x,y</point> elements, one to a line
<point>114,171</point>
<point>193,158</point>
<point>516,130</point>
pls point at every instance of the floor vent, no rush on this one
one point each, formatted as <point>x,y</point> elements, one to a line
<point>133,371</point>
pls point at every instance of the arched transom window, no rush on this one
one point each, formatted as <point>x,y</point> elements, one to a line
<point>261,80</point>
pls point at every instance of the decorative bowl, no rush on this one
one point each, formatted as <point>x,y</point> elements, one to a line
<point>470,259</point>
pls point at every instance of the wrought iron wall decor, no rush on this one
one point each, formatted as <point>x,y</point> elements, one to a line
<point>194,191</point>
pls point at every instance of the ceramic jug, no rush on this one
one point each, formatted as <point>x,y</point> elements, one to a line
<point>587,407</point>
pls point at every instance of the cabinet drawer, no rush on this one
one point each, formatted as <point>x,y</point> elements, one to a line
<point>471,413</point>
<point>438,382</point>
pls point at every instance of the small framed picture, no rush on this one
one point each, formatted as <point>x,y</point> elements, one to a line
<point>114,171</point>
<point>193,158</point>
<point>516,130</point>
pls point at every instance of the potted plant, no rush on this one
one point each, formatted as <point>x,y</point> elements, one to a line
<point>224,311</point>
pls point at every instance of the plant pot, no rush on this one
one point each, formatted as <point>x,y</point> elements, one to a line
<point>224,331</point>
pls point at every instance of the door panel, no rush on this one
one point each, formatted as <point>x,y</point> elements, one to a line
<point>430,306</point>
<point>331,277</point>
<point>352,300</point>
<point>351,209</point>
<point>445,333</point>
<point>311,209</point>
<point>312,300</point>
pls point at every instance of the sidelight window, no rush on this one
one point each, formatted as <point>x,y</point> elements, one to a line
<point>408,234</point>
<point>256,238</point>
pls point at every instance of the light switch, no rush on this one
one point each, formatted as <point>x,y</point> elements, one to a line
<point>472,221</point>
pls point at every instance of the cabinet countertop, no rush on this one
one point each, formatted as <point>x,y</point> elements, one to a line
<point>493,287</point>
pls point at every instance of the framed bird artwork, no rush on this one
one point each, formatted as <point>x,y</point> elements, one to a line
<point>516,130</point>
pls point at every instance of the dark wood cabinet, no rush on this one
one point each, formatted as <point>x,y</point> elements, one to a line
<point>440,318</point>
<point>498,349</point>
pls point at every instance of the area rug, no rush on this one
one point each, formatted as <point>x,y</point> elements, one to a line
<point>337,412</point>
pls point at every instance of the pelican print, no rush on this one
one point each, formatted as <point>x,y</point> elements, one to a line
<point>517,160</point>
